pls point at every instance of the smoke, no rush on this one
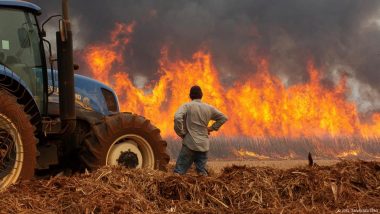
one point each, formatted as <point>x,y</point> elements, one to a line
<point>334,33</point>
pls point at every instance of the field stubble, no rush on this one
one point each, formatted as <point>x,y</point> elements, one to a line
<point>244,148</point>
<point>247,176</point>
<point>347,185</point>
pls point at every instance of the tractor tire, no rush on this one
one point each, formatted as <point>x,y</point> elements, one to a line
<point>17,142</point>
<point>124,139</point>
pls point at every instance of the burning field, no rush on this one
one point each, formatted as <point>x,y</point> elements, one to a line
<point>348,186</point>
<point>267,118</point>
<point>292,76</point>
<point>286,73</point>
<point>258,106</point>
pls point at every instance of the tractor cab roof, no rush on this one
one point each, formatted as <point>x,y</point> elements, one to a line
<point>20,4</point>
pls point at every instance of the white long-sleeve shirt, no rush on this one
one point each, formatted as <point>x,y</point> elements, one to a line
<point>191,121</point>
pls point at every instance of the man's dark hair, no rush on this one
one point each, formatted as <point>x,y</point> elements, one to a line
<point>196,92</point>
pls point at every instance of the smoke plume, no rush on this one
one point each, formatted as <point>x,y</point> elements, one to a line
<point>339,35</point>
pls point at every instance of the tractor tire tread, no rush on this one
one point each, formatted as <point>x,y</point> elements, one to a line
<point>95,147</point>
<point>16,112</point>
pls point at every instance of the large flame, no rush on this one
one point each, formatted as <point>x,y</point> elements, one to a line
<point>259,105</point>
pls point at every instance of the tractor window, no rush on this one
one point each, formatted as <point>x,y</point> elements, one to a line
<point>20,49</point>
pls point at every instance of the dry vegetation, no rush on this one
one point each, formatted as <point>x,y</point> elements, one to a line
<point>285,148</point>
<point>236,189</point>
<point>219,165</point>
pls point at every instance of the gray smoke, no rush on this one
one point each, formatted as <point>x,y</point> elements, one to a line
<point>334,33</point>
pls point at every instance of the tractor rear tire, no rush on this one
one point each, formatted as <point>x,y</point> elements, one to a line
<point>17,142</point>
<point>121,137</point>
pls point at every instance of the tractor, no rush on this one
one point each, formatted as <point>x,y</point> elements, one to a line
<point>53,118</point>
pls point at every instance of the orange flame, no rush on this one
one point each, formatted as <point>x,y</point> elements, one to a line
<point>348,153</point>
<point>250,154</point>
<point>258,106</point>
<point>101,57</point>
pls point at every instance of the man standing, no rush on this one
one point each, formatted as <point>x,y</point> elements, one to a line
<point>191,124</point>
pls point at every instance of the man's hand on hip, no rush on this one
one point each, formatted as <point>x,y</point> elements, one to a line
<point>209,130</point>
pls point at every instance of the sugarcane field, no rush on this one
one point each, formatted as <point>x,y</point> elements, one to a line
<point>189,106</point>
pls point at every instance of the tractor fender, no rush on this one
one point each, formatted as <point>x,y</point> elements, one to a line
<point>11,82</point>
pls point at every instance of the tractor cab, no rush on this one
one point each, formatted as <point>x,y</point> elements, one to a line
<point>21,47</point>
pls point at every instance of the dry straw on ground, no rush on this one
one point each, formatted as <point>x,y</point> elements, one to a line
<point>237,189</point>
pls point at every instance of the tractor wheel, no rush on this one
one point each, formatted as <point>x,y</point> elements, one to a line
<point>17,142</point>
<point>124,139</point>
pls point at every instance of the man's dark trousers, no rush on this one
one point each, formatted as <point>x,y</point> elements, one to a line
<point>187,157</point>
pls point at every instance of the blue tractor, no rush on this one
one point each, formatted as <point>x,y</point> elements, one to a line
<point>55,117</point>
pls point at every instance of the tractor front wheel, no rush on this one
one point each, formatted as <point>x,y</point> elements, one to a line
<point>124,139</point>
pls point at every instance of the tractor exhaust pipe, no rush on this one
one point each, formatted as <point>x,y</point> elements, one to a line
<point>66,73</point>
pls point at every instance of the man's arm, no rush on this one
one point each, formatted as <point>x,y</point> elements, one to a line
<point>219,119</point>
<point>179,123</point>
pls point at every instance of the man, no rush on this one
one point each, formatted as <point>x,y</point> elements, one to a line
<point>191,124</point>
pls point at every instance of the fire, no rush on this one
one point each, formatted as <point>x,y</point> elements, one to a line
<point>250,154</point>
<point>260,105</point>
<point>101,57</point>
<point>348,153</point>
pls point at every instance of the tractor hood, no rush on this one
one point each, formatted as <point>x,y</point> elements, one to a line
<point>90,94</point>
